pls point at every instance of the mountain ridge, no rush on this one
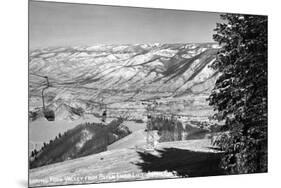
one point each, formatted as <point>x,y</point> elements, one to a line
<point>119,75</point>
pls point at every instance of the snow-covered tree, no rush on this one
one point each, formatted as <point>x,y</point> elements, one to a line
<point>240,93</point>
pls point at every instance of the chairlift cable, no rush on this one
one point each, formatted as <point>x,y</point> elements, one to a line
<point>102,103</point>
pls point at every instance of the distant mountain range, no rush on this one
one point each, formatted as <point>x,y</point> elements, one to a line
<point>85,79</point>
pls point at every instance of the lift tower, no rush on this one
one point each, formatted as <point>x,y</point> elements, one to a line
<point>150,138</point>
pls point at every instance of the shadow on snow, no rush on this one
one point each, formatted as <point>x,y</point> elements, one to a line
<point>183,163</point>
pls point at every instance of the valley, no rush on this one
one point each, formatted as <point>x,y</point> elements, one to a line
<point>123,80</point>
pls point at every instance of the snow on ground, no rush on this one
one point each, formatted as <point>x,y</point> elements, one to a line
<point>123,164</point>
<point>128,160</point>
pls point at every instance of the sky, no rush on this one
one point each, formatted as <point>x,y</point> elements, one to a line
<point>64,24</point>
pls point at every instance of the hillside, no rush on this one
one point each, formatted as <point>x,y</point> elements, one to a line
<point>127,159</point>
<point>84,139</point>
<point>191,158</point>
<point>122,76</point>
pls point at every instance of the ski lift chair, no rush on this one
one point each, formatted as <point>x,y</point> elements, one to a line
<point>49,114</point>
<point>103,116</point>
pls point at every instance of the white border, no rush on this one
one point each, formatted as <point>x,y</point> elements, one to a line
<point>13,104</point>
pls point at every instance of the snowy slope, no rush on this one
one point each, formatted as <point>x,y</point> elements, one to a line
<point>169,160</point>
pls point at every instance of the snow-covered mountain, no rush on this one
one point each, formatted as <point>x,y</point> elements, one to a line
<point>122,77</point>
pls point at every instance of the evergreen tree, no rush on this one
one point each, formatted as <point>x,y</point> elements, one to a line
<point>240,93</point>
